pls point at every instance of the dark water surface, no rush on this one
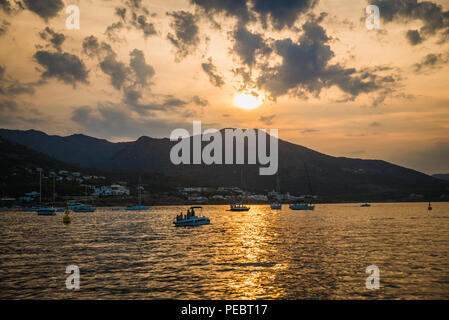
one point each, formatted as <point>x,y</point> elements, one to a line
<point>260,254</point>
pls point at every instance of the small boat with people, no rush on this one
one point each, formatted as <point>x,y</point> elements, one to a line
<point>238,207</point>
<point>190,219</point>
<point>46,211</point>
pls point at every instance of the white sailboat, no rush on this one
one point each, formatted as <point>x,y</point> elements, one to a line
<point>138,207</point>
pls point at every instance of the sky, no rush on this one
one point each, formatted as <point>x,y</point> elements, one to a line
<point>310,68</point>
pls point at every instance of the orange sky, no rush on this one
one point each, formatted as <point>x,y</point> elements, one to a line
<point>404,121</point>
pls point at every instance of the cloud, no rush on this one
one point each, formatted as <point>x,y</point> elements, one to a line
<point>200,102</point>
<point>11,87</point>
<point>431,14</point>
<point>65,67</point>
<point>432,61</point>
<point>375,124</point>
<point>11,8</point>
<point>306,68</point>
<point>211,70</point>
<point>113,29</point>
<point>110,121</point>
<point>116,70</point>
<point>309,130</point>
<point>132,98</point>
<point>55,39</point>
<point>247,45</point>
<point>279,14</point>
<point>45,8</point>
<point>142,70</point>
<point>186,37</point>
<point>268,120</point>
<point>93,48</point>
<point>414,37</point>
<point>7,104</point>
<point>4,26</point>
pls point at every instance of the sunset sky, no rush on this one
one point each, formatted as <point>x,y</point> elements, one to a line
<point>308,68</point>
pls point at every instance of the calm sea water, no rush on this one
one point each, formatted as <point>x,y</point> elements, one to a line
<point>260,254</point>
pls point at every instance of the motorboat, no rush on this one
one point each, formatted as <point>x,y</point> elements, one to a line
<point>190,219</point>
<point>84,208</point>
<point>238,207</point>
<point>46,211</point>
<point>366,205</point>
<point>276,206</point>
<point>302,206</point>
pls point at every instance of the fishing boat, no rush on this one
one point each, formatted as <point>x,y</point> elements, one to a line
<point>84,208</point>
<point>366,205</point>
<point>190,219</point>
<point>138,207</point>
<point>46,211</point>
<point>307,202</point>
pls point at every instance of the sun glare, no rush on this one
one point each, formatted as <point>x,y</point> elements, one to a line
<point>247,101</point>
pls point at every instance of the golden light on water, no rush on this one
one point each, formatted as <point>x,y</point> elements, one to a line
<point>248,100</point>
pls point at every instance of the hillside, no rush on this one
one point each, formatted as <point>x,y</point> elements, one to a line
<point>441,176</point>
<point>335,178</point>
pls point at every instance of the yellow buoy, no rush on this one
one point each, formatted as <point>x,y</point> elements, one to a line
<point>66,218</point>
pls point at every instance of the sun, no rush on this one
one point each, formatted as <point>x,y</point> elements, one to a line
<point>247,100</point>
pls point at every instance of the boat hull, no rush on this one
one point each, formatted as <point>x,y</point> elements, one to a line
<point>302,207</point>
<point>192,222</point>
<point>84,210</point>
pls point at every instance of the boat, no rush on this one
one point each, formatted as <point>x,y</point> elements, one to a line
<point>60,209</point>
<point>31,209</point>
<point>307,202</point>
<point>84,208</point>
<point>302,206</point>
<point>238,207</point>
<point>46,211</point>
<point>190,219</point>
<point>277,205</point>
<point>366,205</point>
<point>138,207</point>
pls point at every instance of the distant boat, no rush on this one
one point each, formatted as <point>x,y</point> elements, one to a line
<point>138,207</point>
<point>302,206</point>
<point>305,204</point>
<point>84,208</point>
<point>190,219</point>
<point>46,211</point>
<point>366,205</point>
<point>277,205</point>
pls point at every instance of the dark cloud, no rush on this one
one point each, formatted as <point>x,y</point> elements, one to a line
<point>93,48</point>
<point>375,124</point>
<point>186,37</point>
<point>45,8</point>
<point>432,61</point>
<point>142,70</point>
<point>10,105</point>
<point>306,68</point>
<point>121,13</point>
<point>431,14</point>
<point>65,67</point>
<point>268,120</point>
<point>133,96</point>
<point>141,23</point>
<point>5,6</point>
<point>248,45</point>
<point>414,37</point>
<point>116,70</point>
<point>4,26</point>
<point>211,70</point>
<point>56,39</point>
<point>280,13</point>
<point>200,102</point>
<point>113,29</point>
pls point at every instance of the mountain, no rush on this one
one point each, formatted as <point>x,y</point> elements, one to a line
<point>442,176</point>
<point>77,148</point>
<point>336,178</point>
